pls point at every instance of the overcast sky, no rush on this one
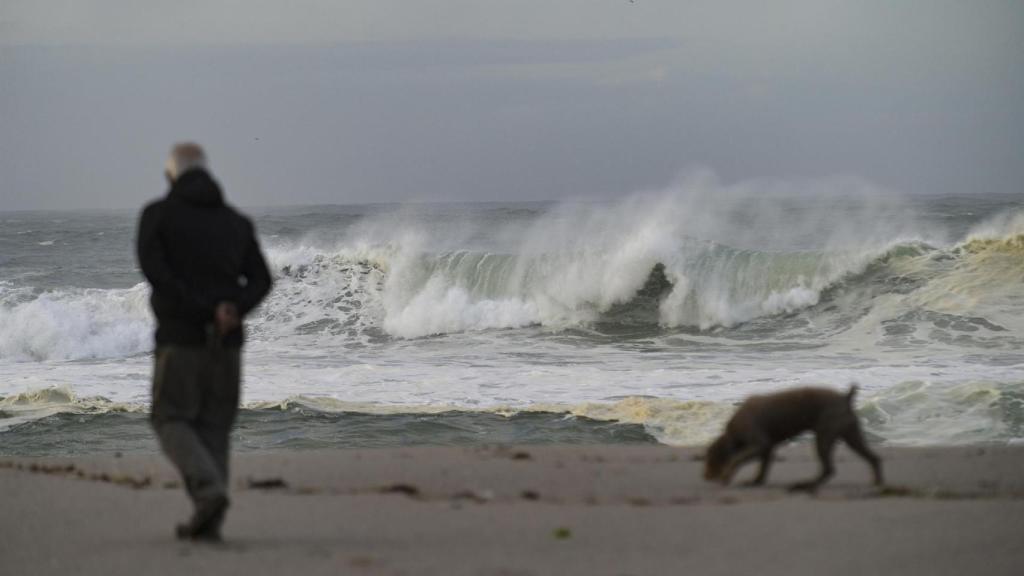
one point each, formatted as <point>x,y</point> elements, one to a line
<point>348,101</point>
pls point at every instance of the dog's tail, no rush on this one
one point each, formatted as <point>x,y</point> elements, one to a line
<point>851,393</point>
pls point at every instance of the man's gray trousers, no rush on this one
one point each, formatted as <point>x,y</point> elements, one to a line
<point>195,401</point>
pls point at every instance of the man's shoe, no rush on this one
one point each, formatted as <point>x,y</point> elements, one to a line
<point>185,532</point>
<point>205,524</point>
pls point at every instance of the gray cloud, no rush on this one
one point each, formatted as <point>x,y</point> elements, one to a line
<point>388,101</point>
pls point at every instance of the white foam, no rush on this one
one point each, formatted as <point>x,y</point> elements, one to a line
<point>1007,225</point>
<point>921,412</point>
<point>75,324</point>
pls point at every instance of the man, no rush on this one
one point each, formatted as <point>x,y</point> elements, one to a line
<point>206,270</point>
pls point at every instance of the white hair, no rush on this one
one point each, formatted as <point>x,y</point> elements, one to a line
<point>184,157</point>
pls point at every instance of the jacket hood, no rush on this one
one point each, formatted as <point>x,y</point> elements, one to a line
<point>197,187</point>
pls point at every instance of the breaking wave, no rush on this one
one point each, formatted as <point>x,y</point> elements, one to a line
<point>620,266</point>
<point>701,285</point>
<point>33,405</point>
<point>74,324</point>
<point>626,265</point>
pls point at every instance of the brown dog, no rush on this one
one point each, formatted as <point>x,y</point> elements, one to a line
<point>762,422</point>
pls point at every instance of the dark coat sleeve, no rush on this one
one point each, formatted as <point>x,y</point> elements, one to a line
<point>151,253</point>
<point>257,276</point>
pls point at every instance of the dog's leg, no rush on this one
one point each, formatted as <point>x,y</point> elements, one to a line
<point>824,443</point>
<point>854,438</point>
<point>762,473</point>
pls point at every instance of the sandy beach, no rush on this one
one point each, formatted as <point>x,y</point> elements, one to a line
<point>521,510</point>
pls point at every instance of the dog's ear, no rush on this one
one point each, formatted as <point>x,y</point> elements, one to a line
<point>851,393</point>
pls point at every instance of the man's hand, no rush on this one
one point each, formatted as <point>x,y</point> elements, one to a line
<point>225,318</point>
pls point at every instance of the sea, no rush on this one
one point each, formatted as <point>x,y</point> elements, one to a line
<point>644,319</point>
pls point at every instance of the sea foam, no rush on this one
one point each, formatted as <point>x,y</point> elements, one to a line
<point>75,324</point>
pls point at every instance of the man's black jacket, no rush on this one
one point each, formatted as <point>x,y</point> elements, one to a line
<point>197,251</point>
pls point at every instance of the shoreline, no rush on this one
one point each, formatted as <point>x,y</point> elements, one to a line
<point>608,509</point>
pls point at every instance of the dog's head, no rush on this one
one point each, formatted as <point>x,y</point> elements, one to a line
<point>717,457</point>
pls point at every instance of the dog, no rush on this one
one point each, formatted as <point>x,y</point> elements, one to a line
<point>763,422</point>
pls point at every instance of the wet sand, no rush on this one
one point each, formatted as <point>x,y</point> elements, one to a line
<point>614,510</point>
